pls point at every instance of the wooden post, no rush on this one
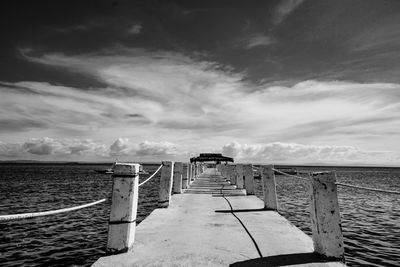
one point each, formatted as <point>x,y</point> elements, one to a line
<point>193,172</point>
<point>167,171</point>
<point>239,176</point>
<point>122,224</point>
<point>224,171</point>
<point>232,174</point>
<point>248,178</point>
<point>190,173</point>
<point>269,187</point>
<point>185,176</point>
<point>325,216</point>
<point>178,170</point>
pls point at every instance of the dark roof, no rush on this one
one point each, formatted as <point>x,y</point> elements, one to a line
<point>211,157</point>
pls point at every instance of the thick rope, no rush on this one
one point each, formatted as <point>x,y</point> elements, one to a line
<point>290,175</point>
<point>151,176</point>
<point>345,185</point>
<point>45,213</point>
<point>369,189</point>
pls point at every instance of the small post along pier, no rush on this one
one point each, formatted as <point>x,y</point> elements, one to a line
<point>209,216</point>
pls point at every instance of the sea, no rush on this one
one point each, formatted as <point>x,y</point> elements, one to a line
<point>370,220</point>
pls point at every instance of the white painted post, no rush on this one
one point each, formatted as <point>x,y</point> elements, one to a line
<point>269,187</point>
<point>185,176</point>
<point>122,224</point>
<point>190,173</point>
<point>248,178</point>
<point>239,176</point>
<point>224,171</point>
<point>228,173</point>
<point>325,216</point>
<point>221,170</point>
<point>232,174</point>
<point>167,171</point>
<point>178,170</point>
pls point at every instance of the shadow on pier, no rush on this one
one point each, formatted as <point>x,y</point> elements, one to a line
<point>281,260</point>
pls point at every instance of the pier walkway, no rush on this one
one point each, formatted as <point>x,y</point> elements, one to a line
<point>214,224</point>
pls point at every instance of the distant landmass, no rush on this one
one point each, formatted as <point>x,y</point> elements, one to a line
<point>360,165</point>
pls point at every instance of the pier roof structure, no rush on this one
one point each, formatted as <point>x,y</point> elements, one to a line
<point>206,157</point>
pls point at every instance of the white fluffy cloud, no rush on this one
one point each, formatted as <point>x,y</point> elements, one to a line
<point>124,147</point>
<point>127,150</point>
<point>49,148</point>
<point>291,153</point>
<point>158,95</point>
<point>76,149</point>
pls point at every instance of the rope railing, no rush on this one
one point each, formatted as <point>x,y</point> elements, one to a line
<point>342,184</point>
<point>45,213</point>
<point>290,175</point>
<point>369,188</point>
<point>151,176</point>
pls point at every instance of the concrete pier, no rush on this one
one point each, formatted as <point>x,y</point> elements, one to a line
<point>215,224</point>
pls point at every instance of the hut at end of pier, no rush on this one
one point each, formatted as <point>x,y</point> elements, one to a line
<point>217,158</point>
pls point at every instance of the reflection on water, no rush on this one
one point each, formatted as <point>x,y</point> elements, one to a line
<point>370,220</point>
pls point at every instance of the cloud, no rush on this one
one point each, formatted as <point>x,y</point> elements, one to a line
<point>121,147</point>
<point>23,124</point>
<point>284,8</point>
<point>127,150</point>
<point>10,150</point>
<point>259,40</point>
<point>293,153</point>
<point>160,95</point>
<point>78,149</point>
<point>124,147</point>
<point>134,29</point>
<point>63,147</point>
<point>148,148</point>
<point>47,148</point>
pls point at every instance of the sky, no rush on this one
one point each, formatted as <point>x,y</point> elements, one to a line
<point>288,81</point>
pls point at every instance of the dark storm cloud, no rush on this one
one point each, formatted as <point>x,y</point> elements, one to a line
<point>270,40</point>
<point>13,125</point>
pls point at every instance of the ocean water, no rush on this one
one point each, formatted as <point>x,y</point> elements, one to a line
<point>370,220</point>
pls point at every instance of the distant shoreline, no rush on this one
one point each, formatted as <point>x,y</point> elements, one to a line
<point>308,165</point>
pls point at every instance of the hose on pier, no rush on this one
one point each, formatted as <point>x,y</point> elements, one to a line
<point>241,223</point>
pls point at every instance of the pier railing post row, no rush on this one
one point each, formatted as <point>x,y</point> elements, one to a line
<point>248,178</point>
<point>191,172</point>
<point>124,201</point>
<point>239,176</point>
<point>269,187</point>
<point>194,171</point>
<point>178,172</point>
<point>230,174</point>
<point>222,171</point>
<point>167,172</point>
<point>225,171</point>
<point>185,175</point>
<point>325,216</point>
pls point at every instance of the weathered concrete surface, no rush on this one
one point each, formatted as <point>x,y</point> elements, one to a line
<point>191,233</point>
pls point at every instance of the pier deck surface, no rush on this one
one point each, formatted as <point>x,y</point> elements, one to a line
<point>198,229</point>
